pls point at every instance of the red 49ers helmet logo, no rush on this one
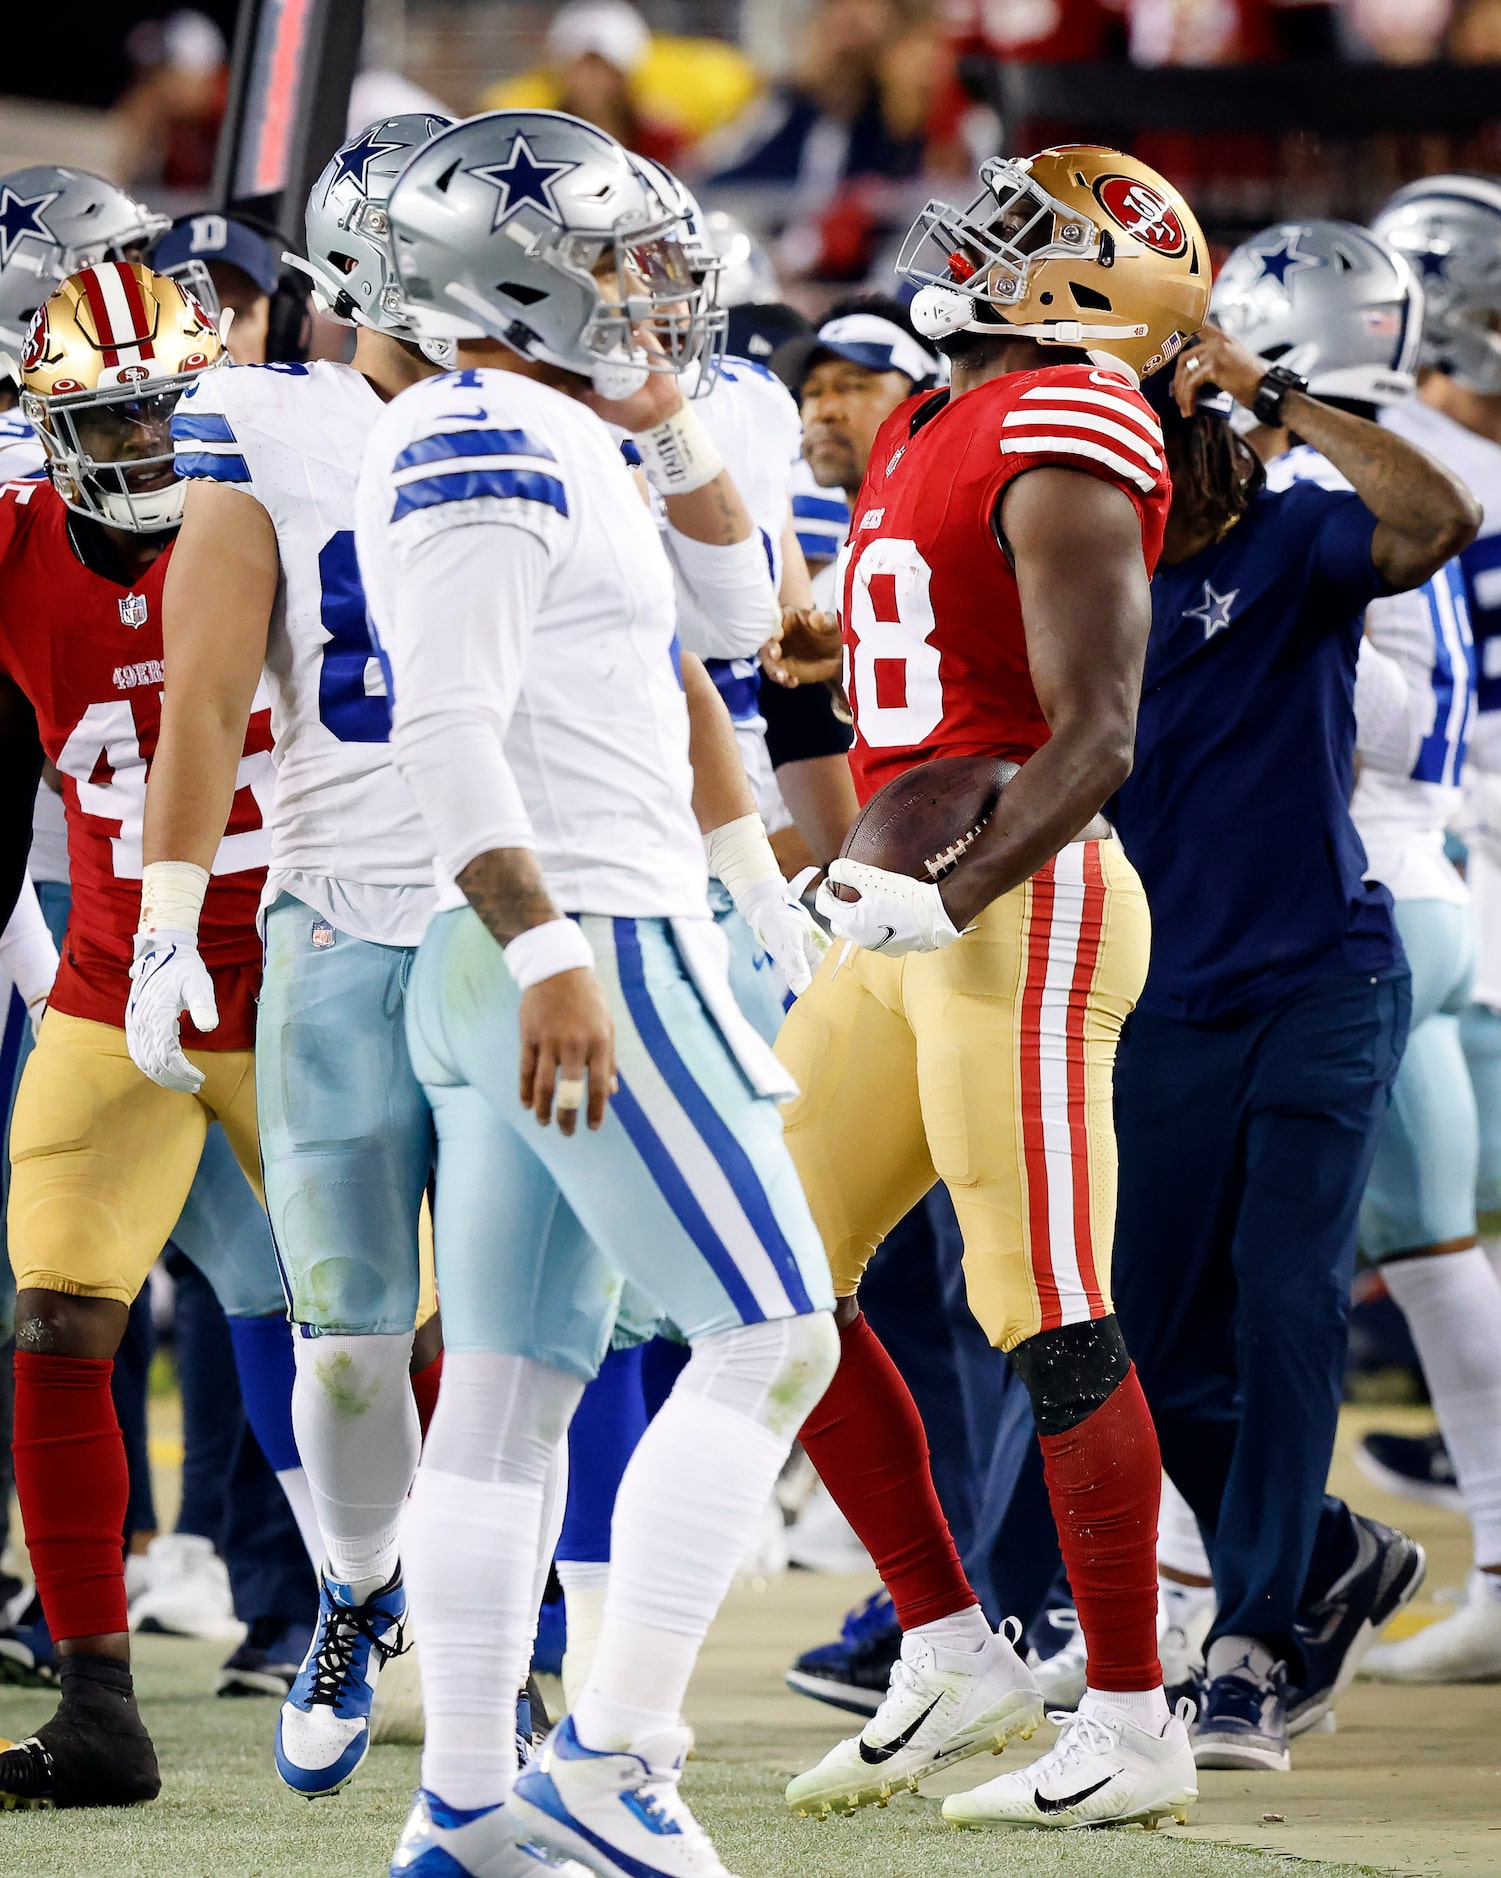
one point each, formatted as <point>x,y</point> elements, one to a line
<point>133,374</point>
<point>35,342</point>
<point>1143,212</point>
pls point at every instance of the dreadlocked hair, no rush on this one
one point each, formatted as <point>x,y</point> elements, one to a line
<point>1216,474</point>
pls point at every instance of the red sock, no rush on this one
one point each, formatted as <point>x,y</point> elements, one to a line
<point>1105,1482</point>
<point>72,1483</point>
<point>866,1439</point>
<point>425,1383</point>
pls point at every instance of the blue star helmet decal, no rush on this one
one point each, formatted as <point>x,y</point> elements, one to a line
<point>1434,262</point>
<point>1213,610</point>
<point>1284,259</point>
<point>355,159</point>
<point>21,216</point>
<point>521,178</point>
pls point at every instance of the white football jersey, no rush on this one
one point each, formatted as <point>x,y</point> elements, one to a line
<point>590,717</point>
<point>1402,815</point>
<point>822,517</point>
<point>345,832</point>
<point>22,457</point>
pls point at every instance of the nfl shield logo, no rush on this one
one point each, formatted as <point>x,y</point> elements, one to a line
<point>133,610</point>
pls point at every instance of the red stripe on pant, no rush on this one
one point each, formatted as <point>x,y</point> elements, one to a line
<point>1091,922</point>
<point>72,1483</point>
<point>1029,1051</point>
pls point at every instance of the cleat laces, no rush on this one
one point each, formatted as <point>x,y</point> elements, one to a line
<point>1079,1735</point>
<point>336,1652</point>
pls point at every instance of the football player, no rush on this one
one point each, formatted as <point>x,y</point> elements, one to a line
<point>966,1031</point>
<point>1449,227</point>
<point>102,1161</point>
<point>524,600</point>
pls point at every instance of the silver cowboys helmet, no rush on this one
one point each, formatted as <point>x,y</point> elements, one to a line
<point>348,246</point>
<point>716,240</point>
<point>1449,227</point>
<point>536,229</point>
<point>54,221</point>
<point>1329,300</point>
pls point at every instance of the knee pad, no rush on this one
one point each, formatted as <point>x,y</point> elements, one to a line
<point>773,1373</point>
<point>1071,1371</point>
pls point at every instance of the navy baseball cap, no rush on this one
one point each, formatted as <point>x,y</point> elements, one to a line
<point>209,237</point>
<point>868,339</point>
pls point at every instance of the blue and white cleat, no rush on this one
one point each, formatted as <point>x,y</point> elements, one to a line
<point>443,1841</point>
<point>620,1814</point>
<point>323,1731</point>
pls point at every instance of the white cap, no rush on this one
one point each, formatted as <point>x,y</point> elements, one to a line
<point>878,344</point>
<point>611,28</point>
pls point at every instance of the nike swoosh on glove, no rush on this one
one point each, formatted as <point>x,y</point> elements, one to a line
<point>894,914</point>
<point>167,978</point>
<point>786,929</point>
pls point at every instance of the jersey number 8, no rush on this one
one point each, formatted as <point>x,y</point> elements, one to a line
<point>896,684</point>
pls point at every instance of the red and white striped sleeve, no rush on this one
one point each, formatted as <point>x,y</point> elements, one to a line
<point>1088,420</point>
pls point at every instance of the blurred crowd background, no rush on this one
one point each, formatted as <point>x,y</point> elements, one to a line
<point>824,124</point>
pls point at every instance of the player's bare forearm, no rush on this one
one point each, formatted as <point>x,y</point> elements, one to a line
<point>721,792</point>
<point>20,772</point>
<point>1424,512</point>
<point>505,887</point>
<point>216,614</point>
<point>1087,610</point>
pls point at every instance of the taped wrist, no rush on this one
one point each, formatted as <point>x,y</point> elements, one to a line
<point>740,855</point>
<point>557,945</point>
<point>678,454</point>
<point>1071,1371</point>
<point>172,894</point>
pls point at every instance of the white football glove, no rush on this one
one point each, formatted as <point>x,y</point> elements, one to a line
<point>168,978</point>
<point>785,928</point>
<point>894,914</point>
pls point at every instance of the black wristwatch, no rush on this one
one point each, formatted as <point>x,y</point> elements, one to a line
<point>1266,406</point>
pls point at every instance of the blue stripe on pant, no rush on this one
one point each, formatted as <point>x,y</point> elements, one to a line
<point>687,1190</point>
<point>1244,1152</point>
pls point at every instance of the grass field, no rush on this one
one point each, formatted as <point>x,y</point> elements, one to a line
<point>1410,1784</point>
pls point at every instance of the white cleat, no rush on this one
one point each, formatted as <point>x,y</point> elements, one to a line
<point>1102,1771</point>
<point>443,1841</point>
<point>396,1718</point>
<point>184,1590</point>
<point>942,1707</point>
<point>1063,1676</point>
<point>1463,1648</point>
<point>619,1813</point>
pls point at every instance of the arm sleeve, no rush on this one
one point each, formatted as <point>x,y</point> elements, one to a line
<point>800,723</point>
<point>1389,714</point>
<point>463,607</point>
<point>20,773</point>
<point>27,951</point>
<point>727,606</point>
<point>205,444</point>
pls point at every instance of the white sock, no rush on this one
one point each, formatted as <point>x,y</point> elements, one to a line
<point>584,1583</point>
<point>357,1432</point>
<point>687,1507</point>
<point>472,1537</point>
<point>1146,1707</point>
<point>554,1507</point>
<point>1452,1303</point>
<point>966,1630</point>
<point>294,1484</point>
<point>1180,1544</point>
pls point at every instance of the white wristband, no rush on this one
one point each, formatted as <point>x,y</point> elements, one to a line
<point>558,945</point>
<point>679,455</point>
<point>172,895</point>
<point>740,855</point>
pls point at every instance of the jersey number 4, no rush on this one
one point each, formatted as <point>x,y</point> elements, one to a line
<point>353,699</point>
<point>896,684</point>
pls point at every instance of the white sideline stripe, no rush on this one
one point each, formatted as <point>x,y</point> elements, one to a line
<point>1083,420</point>
<point>1078,446</point>
<point>1052,1081</point>
<point>694,1159</point>
<point>117,312</point>
<point>459,465</point>
<point>1105,400</point>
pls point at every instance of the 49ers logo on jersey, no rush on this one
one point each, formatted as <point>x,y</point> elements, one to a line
<point>1143,212</point>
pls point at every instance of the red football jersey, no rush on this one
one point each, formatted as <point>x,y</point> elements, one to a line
<point>87,652</point>
<point>935,655</point>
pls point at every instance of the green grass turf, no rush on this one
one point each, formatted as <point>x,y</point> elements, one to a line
<point>224,1814</point>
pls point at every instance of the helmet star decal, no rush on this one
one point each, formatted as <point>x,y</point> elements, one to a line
<point>21,216</point>
<point>521,178</point>
<point>1284,259</point>
<point>354,160</point>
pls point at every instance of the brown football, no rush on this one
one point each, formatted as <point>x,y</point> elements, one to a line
<point>922,822</point>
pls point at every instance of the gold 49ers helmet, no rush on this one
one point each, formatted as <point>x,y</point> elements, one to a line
<point>1077,246</point>
<point>104,361</point>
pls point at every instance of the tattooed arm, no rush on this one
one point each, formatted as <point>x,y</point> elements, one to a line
<point>1424,513</point>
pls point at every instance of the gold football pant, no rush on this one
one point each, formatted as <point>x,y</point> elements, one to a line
<point>988,1066</point>
<point>102,1157</point>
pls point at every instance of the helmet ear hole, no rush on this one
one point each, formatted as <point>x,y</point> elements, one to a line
<point>517,290</point>
<point>1089,298</point>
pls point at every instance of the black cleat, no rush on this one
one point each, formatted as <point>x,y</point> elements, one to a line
<point>95,1751</point>
<point>1414,1467</point>
<point>1337,1631</point>
<point>267,1662</point>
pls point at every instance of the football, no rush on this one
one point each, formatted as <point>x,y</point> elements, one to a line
<point>922,822</point>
